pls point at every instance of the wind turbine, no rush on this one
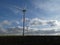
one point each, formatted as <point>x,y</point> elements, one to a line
<point>24,11</point>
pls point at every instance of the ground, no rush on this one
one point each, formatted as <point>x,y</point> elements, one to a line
<point>15,40</point>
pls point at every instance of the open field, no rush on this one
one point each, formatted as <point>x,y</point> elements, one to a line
<point>15,40</point>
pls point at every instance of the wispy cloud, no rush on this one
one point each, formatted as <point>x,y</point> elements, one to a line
<point>49,7</point>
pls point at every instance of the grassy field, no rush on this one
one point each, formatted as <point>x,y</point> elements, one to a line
<point>15,40</point>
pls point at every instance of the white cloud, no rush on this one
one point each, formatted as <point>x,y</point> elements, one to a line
<point>37,21</point>
<point>17,22</point>
<point>51,24</point>
<point>48,5</point>
<point>5,22</point>
<point>19,26</point>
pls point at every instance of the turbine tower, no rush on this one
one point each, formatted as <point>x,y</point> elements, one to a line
<point>24,11</point>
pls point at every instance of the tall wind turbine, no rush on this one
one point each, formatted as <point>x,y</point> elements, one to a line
<point>24,11</point>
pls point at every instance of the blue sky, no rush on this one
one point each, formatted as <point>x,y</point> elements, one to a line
<point>41,14</point>
<point>9,12</point>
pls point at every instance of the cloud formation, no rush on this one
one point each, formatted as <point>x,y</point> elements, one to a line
<point>6,22</point>
<point>37,21</point>
<point>54,26</point>
<point>51,24</point>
